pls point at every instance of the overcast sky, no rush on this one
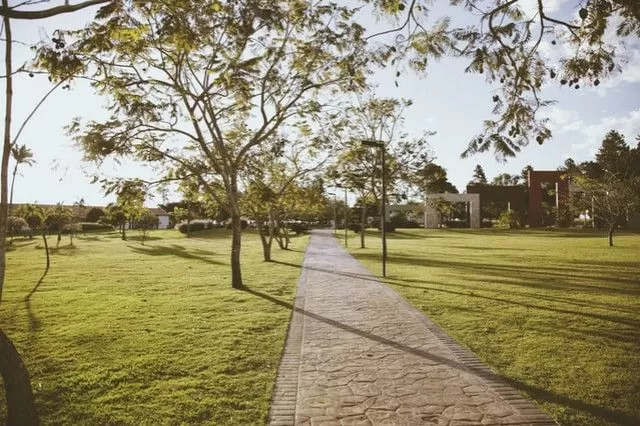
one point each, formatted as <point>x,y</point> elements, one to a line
<point>447,101</point>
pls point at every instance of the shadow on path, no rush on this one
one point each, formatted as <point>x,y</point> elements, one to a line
<point>403,283</point>
<point>537,393</point>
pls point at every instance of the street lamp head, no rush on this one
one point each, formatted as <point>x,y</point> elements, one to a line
<point>372,142</point>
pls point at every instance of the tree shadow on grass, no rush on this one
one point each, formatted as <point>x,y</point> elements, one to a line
<point>404,235</point>
<point>537,393</point>
<point>535,274</point>
<point>139,238</point>
<point>34,322</point>
<point>177,251</point>
<point>601,317</point>
<point>409,283</point>
<point>16,244</point>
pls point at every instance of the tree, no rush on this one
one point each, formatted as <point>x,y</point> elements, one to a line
<point>615,157</point>
<point>56,218</point>
<point>506,179</point>
<point>130,200</point>
<point>114,215</point>
<point>16,224</point>
<point>198,89</point>
<point>478,176</point>
<point>94,214</point>
<point>32,214</point>
<point>21,155</point>
<point>179,214</point>
<point>612,199</point>
<point>443,207</point>
<point>280,187</point>
<point>432,179</point>
<point>146,222</point>
<point>502,40</point>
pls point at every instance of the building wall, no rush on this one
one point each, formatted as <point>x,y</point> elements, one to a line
<point>164,222</point>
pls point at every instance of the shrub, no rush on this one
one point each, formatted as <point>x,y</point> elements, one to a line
<point>71,228</point>
<point>197,225</point>
<point>299,228</point>
<point>147,220</point>
<point>16,224</point>
<point>94,215</point>
<point>355,227</point>
<point>565,218</point>
<point>388,227</point>
<point>243,224</point>
<point>510,219</point>
<point>95,227</point>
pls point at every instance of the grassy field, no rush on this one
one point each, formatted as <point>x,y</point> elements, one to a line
<point>124,333</point>
<point>557,313</point>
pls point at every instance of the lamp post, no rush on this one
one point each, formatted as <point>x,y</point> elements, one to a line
<point>380,145</point>
<point>346,212</point>
<point>335,212</point>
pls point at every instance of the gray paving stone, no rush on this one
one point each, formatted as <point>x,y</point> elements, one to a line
<point>358,354</point>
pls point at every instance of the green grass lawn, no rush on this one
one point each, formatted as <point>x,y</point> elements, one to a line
<point>121,333</point>
<point>557,313</point>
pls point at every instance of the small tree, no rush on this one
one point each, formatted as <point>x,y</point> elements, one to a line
<point>146,222</point>
<point>33,215</point>
<point>94,215</point>
<point>478,176</point>
<point>131,195</point>
<point>56,218</point>
<point>510,219</point>
<point>16,224</point>
<point>21,155</point>
<point>441,206</point>
<point>114,215</point>
<point>179,214</point>
<point>611,198</point>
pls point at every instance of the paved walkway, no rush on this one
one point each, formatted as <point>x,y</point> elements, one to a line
<point>358,354</point>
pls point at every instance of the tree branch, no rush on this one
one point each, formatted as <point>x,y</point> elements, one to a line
<point>11,13</point>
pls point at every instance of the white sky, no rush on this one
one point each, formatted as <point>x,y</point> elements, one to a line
<point>447,101</point>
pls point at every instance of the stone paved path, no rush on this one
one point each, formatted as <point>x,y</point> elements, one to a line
<point>358,354</point>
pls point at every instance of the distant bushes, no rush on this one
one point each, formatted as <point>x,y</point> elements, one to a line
<point>355,227</point>
<point>16,224</point>
<point>196,225</point>
<point>95,227</point>
<point>510,219</point>
<point>299,228</point>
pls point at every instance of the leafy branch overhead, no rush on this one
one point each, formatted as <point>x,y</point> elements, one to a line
<point>504,43</point>
<point>200,88</point>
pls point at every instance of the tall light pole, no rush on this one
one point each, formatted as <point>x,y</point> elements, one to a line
<point>346,211</point>
<point>335,212</point>
<point>380,145</point>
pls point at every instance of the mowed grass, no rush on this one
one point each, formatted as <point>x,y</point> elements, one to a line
<point>124,333</point>
<point>557,313</point>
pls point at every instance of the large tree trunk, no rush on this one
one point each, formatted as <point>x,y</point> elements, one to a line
<point>363,222</point>
<point>124,232</point>
<point>611,229</point>
<point>21,409</point>
<point>10,212</point>
<point>17,385</point>
<point>6,147</point>
<point>236,239</point>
